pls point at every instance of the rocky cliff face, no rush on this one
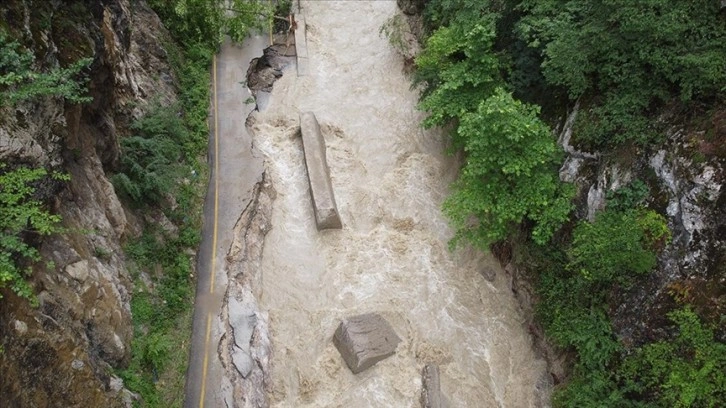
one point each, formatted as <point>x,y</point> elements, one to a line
<point>62,353</point>
<point>685,177</point>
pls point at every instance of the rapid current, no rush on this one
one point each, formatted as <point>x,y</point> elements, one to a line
<point>390,178</point>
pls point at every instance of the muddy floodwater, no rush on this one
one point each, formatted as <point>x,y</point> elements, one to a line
<point>390,178</point>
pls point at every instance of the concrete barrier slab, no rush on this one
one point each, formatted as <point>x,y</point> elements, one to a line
<point>364,340</point>
<point>431,396</point>
<point>321,188</point>
<point>301,46</point>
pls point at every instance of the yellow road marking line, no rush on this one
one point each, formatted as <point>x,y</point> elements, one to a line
<point>213,268</point>
<point>216,175</point>
<point>206,360</point>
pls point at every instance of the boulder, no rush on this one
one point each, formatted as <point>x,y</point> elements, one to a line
<point>364,340</point>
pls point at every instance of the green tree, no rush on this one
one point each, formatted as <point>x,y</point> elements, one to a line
<point>21,215</point>
<point>458,70</point>
<point>509,173</point>
<point>208,21</point>
<point>627,58</point>
<point>510,169</point>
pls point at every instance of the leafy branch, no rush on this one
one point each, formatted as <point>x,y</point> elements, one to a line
<point>20,216</point>
<point>20,82</point>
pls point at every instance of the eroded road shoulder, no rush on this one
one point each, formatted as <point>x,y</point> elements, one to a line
<point>235,177</point>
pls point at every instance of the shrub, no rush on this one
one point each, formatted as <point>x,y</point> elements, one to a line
<point>151,159</point>
<point>617,245</point>
<point>628,197</point>
<point>22,216</point>
<point>689,371</point>
<point>20,82</point>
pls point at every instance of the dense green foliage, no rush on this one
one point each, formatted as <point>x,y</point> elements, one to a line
<point>628,58</point>
<point>615,249</point>
<point>159,162</point>
<point>510,172</point>
<point>625,62</point>
<point>689,371</point>
<point>21,215</point>
<point>151,159</point>
<point>19,81</point>
<point>631,195</point>
<point>617,245</point>
<point>205,22</point>
<point>159,313</point>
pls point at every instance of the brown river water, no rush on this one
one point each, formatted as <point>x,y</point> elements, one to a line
<point>390,178</point>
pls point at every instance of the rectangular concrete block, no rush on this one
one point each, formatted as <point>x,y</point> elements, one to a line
<point>301,46</point>
<point>364,340</point>
<point>321,188</point>
<point>302,66</point>
<point>431,395</point>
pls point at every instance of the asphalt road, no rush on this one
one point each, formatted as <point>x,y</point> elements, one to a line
<point>234,172</point>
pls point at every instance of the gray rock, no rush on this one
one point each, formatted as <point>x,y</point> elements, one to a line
<point>21,327</point>
<point>364,340</point>
<point>116,384</point>
<point>78,270</point>
<point>265,70</point>
<point>543,390</point>
<point>431,395</point>
<point>242,361</point>
<point>489,273</point>
<point>77,364</point>
<point>243,321</point>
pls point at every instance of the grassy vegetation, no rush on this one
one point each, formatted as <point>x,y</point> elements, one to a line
<point>23,219</point>
<point>162,316</point>
<point>20,82</point>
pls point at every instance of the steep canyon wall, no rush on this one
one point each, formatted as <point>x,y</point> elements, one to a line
<point>63,352</point>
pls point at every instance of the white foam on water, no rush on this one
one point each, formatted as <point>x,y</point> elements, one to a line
<point>390,179</point>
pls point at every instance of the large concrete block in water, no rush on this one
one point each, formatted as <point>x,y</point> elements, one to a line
<point>364,340</point>
<point>431,395</point>
<point>321,188</point>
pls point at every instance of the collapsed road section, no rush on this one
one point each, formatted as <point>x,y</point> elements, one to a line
<point>291,281</point>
